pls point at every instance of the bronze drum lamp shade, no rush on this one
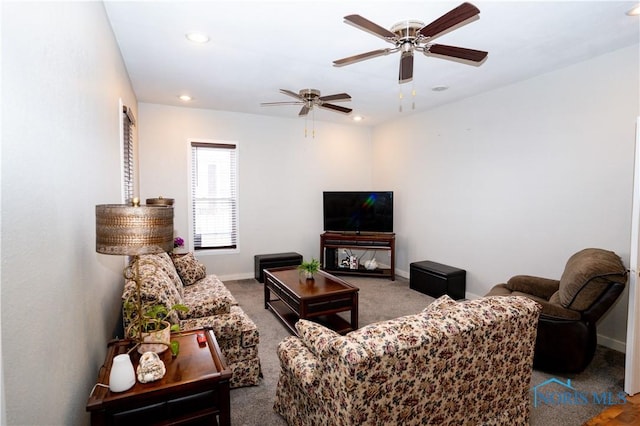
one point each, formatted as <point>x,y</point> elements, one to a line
<point>133,230</point>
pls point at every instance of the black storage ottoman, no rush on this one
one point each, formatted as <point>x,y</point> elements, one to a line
<point>436,279</point>
<point>274,260</point>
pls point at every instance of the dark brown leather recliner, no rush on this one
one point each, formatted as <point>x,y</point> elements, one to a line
<point>591,282</point>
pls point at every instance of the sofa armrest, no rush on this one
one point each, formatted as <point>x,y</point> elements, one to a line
<point>234,325</point>
<point>299,362</point>
<point>319,339</point>
<point>537,286</point>
<point>200,307</point>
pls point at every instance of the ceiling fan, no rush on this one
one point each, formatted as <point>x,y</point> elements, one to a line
<point>309,98</point>
<point>410,36</point>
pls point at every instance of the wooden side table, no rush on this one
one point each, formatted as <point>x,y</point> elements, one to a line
<point>194,388</point>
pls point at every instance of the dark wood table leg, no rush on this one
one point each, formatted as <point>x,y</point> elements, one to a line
<point>225,404</point>
<point>354,311</point>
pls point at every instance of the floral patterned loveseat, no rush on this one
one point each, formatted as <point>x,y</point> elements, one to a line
<point>455,363</point>
<point>169,280</point>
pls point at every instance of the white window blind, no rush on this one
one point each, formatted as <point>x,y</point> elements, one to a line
<point>214,195</point>
<point>128,121</point>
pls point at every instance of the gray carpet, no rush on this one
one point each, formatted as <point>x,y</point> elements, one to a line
<point>381,299</point>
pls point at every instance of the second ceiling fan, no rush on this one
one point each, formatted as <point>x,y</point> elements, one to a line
<point>410,36</point>
<point>309,98</point>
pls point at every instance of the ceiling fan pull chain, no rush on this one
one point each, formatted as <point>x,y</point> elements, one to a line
<point>400,96</point>
<point>413,95</point>
<point>313,118</point>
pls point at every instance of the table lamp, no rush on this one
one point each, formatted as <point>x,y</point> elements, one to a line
<point>134,230</point>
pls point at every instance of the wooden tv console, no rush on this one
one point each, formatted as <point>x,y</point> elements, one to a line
<point>332,242</point>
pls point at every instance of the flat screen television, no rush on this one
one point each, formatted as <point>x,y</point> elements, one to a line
<point>358,211</point>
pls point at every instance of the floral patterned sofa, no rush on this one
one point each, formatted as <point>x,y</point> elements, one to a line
<point>183,279</point>
<point>454,363</point>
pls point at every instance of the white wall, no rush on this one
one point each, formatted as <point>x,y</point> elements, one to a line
<point>62,79</point>
<point>516,180</point>
<point>512,181</point>
<point>282,175</point>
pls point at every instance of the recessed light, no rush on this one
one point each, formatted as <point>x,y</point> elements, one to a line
<point>439,88</point>
<point>197,37</point>
<point>185,98</point>
<point>635,11</point>
<point>358,118</point>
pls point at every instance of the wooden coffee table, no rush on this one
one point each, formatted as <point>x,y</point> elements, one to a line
<point>194,388</point>
<point>318,300</point>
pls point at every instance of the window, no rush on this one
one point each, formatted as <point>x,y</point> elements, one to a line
<point>128,121</point>
<point>214,199</point>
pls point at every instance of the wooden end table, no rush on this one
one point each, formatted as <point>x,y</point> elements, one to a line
<point>194,388</point>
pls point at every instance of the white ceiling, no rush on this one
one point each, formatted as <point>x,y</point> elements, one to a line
<point>259,47</point>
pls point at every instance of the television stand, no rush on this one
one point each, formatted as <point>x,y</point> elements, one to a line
<point>332,244</point>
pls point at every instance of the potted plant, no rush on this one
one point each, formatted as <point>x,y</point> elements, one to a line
<point>154,328</point>
<point>309,268</point>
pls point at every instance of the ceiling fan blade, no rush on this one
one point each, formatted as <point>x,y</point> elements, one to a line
<point>336,108</point>
<point>406,67</point>
<point>457,52</point>
<point>336,97</point>
<point>360,57</point>
<point>293,94</point>
<point>304,111</point>
<point>279,103</point>
<point>450,19</point>
<point>367,25</point>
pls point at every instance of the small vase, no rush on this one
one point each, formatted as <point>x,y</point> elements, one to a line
<point>371,264</point>
<point>122,377</point>
<point>308,275</point>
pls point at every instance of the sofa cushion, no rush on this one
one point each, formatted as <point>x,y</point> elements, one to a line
<point>155,288</point>
<point>387,338</point>
<point>587,275</point>
<point>164,262</point>
<point>190,269</point>
<point>207,297</point>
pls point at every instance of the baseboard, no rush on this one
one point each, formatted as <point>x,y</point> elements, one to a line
<point>610,343</point>
<point>234,277</point>
<point>249,275</point>
<point>403,274</point>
